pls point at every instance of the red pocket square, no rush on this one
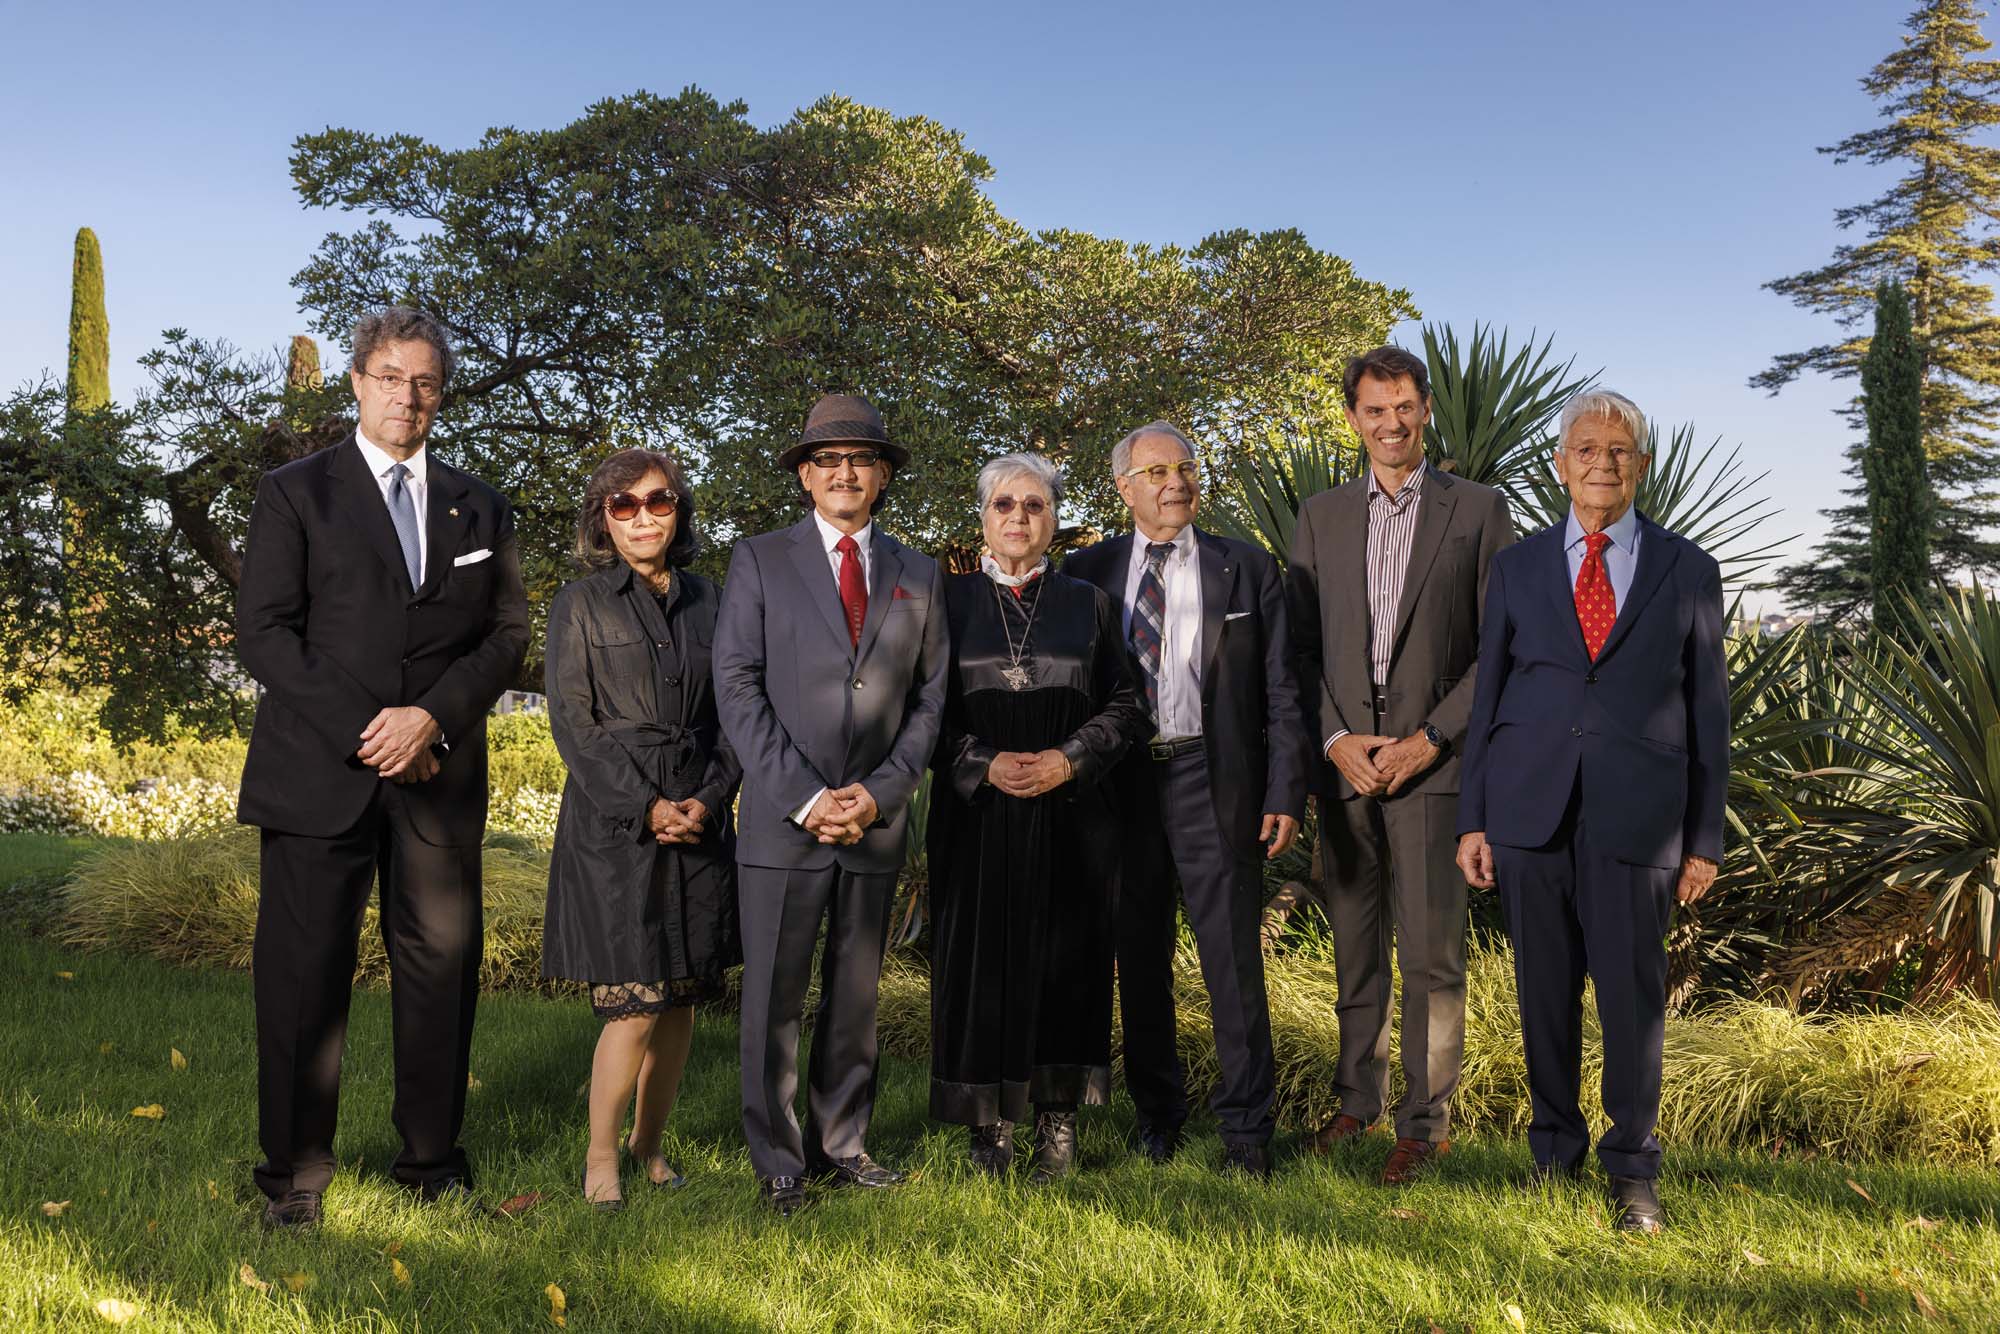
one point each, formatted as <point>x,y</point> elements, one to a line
<point>900,592</point>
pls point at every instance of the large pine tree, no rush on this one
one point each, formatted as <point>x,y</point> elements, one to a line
<point>1899,488</point>
<point>1933,231</point>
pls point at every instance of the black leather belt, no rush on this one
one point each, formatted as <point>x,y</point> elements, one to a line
<point>1167,749</point>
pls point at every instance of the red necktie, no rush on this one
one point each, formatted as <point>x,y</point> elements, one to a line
<point>1596,604</point>
<point>853,587</point>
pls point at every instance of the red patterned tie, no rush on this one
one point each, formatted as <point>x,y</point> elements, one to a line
<point>1596,604</point>
<point>854,587</point>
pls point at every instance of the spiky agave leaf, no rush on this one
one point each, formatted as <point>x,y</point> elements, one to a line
<point>1491,409</point>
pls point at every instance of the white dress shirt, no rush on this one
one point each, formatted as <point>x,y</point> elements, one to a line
<point>829,537</point>
<point>417,484</point>
<point>1180,643</point>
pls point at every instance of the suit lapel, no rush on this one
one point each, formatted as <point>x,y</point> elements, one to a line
<point>1434,509</point>
<point>820,588</point>
<point>887,568</point>
<point>1350,559</point>
<point>361,496</point>
<point>1554,559</point>
<point>1658,550</point>
<point>445,522</point>
<point>1217,574</point>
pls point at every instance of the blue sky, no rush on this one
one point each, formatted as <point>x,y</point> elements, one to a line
<point>1623,177</point>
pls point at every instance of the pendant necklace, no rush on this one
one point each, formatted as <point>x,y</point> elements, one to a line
<point>1015,674</point>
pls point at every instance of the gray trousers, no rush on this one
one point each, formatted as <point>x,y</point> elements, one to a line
<point>1392,877</point>
<point>781,913</point>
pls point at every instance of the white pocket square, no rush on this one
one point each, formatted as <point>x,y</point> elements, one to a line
<point>472,557</point>
<point>1235,615</point>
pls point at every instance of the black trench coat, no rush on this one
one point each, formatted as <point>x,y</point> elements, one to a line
<point>632,710</point>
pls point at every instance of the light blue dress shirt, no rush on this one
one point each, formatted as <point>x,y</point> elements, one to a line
<point>1621,558</point>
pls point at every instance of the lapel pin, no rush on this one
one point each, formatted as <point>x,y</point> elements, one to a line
<point>453,511</point>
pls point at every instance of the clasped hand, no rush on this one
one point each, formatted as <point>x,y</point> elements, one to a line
<point>1028,774</point>
<point>397,743</point>
<point>842,814</point>
<point>676,821</point>
<point>1378,766</point>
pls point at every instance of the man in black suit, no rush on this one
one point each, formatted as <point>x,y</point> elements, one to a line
<point>1596,771</point>
<point>1219,790</point>
<point>381,610</point>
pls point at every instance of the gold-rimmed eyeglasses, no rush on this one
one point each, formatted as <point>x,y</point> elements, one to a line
<point>1188,470</point>
<point>422,385</point>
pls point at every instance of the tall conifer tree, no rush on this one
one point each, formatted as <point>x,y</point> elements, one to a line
<point>1899,488</point>
<point>1933,230</point>
<point>89,329</point>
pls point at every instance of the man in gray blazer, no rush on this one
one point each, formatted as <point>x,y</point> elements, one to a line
<point>1387,579</point>
<point>830,659</point>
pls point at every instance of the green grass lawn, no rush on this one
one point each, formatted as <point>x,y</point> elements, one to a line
<point>162,1215</point>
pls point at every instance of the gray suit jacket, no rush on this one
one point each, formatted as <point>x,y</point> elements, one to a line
<point>805,709</point>
<point>1434,660</point>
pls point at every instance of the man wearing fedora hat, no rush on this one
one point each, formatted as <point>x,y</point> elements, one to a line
<point>830,661</point>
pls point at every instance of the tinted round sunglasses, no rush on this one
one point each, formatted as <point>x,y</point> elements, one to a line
<point>624,506</point>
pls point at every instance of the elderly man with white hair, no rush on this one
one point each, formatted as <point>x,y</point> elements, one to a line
<point>1040,703</point>
<point>1596,766</point>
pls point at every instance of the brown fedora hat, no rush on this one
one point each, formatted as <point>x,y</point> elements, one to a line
<point>843,419</point>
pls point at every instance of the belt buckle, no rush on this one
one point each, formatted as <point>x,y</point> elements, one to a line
<point>1160,750</point>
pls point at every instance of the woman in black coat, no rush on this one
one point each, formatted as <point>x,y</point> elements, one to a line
<point>642,880</point>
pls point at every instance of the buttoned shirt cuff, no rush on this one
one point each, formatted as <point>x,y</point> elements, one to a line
<point>798,817</point>
<point>1327,749</point>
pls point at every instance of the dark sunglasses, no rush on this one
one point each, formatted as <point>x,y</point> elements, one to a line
<point>833,458</point>
<point>625,506</point>
<point>1032,506</point>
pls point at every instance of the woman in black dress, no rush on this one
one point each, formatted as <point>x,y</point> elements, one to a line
<point>642,880</point>
<point>1022,841</point>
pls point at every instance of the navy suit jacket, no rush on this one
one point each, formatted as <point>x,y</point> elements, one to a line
<point>1645,726</point>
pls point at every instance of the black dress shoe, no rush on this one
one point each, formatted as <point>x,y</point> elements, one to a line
<point>860,1170</point>
<point>1157,1144</point>
<point>295,1210</point>
<point>443,1190</point>
<point>1055,1146</point>
<point>1637,1205</point>
<point>1250,1159</point>
<point>993,1147</point>
<point>785,1195</point>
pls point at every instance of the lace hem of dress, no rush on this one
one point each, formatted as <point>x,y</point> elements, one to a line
<point>621,1000</point>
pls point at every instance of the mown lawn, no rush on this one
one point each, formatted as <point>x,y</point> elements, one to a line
<point>161,1213</point>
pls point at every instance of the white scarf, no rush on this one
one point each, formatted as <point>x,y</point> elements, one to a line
<point>1006,580</point>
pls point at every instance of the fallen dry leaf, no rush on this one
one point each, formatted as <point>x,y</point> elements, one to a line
<point>1941,1249</point>
<point>248,1278</point>
<point>66,976</point>
<point>1927,1224</point>
<point>116,1311</point>
<point>1923,1303</point>
<point>296,1282</point>
<point>393,1248</point>
<point>520,1204</point>
<point>175,1059</point>
<point>152,1111</point>
<point>1860,1295</point>
<point>54,1208</point>
<point>400,1270</point>
<point>472,1080</point>
<point>1860,1190</point>
<point>104,1048</point>
<point>1407,1215</point>
<point>152,1226</point>
<point>1753,1257</point>
<point>1514,1316</point>
<point>557,1304</point>
<point>214,1192</point>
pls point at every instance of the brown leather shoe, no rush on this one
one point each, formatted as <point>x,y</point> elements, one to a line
<point>1409,1159</point>
<point>1337,1131</point>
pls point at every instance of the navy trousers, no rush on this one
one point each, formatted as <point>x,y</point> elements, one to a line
<point>1573,909</point>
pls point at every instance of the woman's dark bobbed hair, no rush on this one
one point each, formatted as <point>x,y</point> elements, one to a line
<point>594,548</point>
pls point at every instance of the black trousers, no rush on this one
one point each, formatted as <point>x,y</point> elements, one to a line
<point>781,913</point>
<point>1171,835</point>
<point>311,897</point>
<point>1573,909</point>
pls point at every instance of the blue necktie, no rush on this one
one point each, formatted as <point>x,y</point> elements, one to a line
<point>403,513</point>
<point>1149,620</point>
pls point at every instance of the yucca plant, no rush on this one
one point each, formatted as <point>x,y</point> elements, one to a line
<point>1271,483</point>
<point>1491,408</point>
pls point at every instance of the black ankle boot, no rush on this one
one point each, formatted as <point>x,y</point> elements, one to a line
<point>1055,1146</point>
<point>993,1147</point>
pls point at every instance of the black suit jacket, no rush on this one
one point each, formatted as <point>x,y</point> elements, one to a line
<point>1250,723</point>
<point>1645,726</point>
<point>327,624</point>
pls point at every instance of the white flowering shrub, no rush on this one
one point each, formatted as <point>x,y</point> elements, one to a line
<point>527,811</point>
<point>83,803</point>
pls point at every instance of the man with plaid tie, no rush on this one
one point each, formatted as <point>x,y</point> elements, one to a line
<point>1217,792</point>
<point>1596,767</point>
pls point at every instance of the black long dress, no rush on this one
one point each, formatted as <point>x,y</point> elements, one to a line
<point>1022,890</point>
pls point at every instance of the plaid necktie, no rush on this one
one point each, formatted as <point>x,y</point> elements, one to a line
<point>1149,619</point>
<point>1596,604</point>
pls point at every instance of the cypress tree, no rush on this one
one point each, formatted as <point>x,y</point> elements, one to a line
<point>89,329</point>
<point>1933,230</point>
<point>1899,488</point>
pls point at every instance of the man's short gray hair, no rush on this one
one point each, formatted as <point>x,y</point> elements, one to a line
<point>1009,466</point>
<point>1121,453</point>
<point>1607,404</point>
<point>400,324</point>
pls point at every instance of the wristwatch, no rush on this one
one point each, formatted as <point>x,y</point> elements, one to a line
<point>1437,738</point>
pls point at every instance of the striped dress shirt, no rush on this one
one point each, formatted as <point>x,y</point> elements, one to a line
<point>1392,526</point>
